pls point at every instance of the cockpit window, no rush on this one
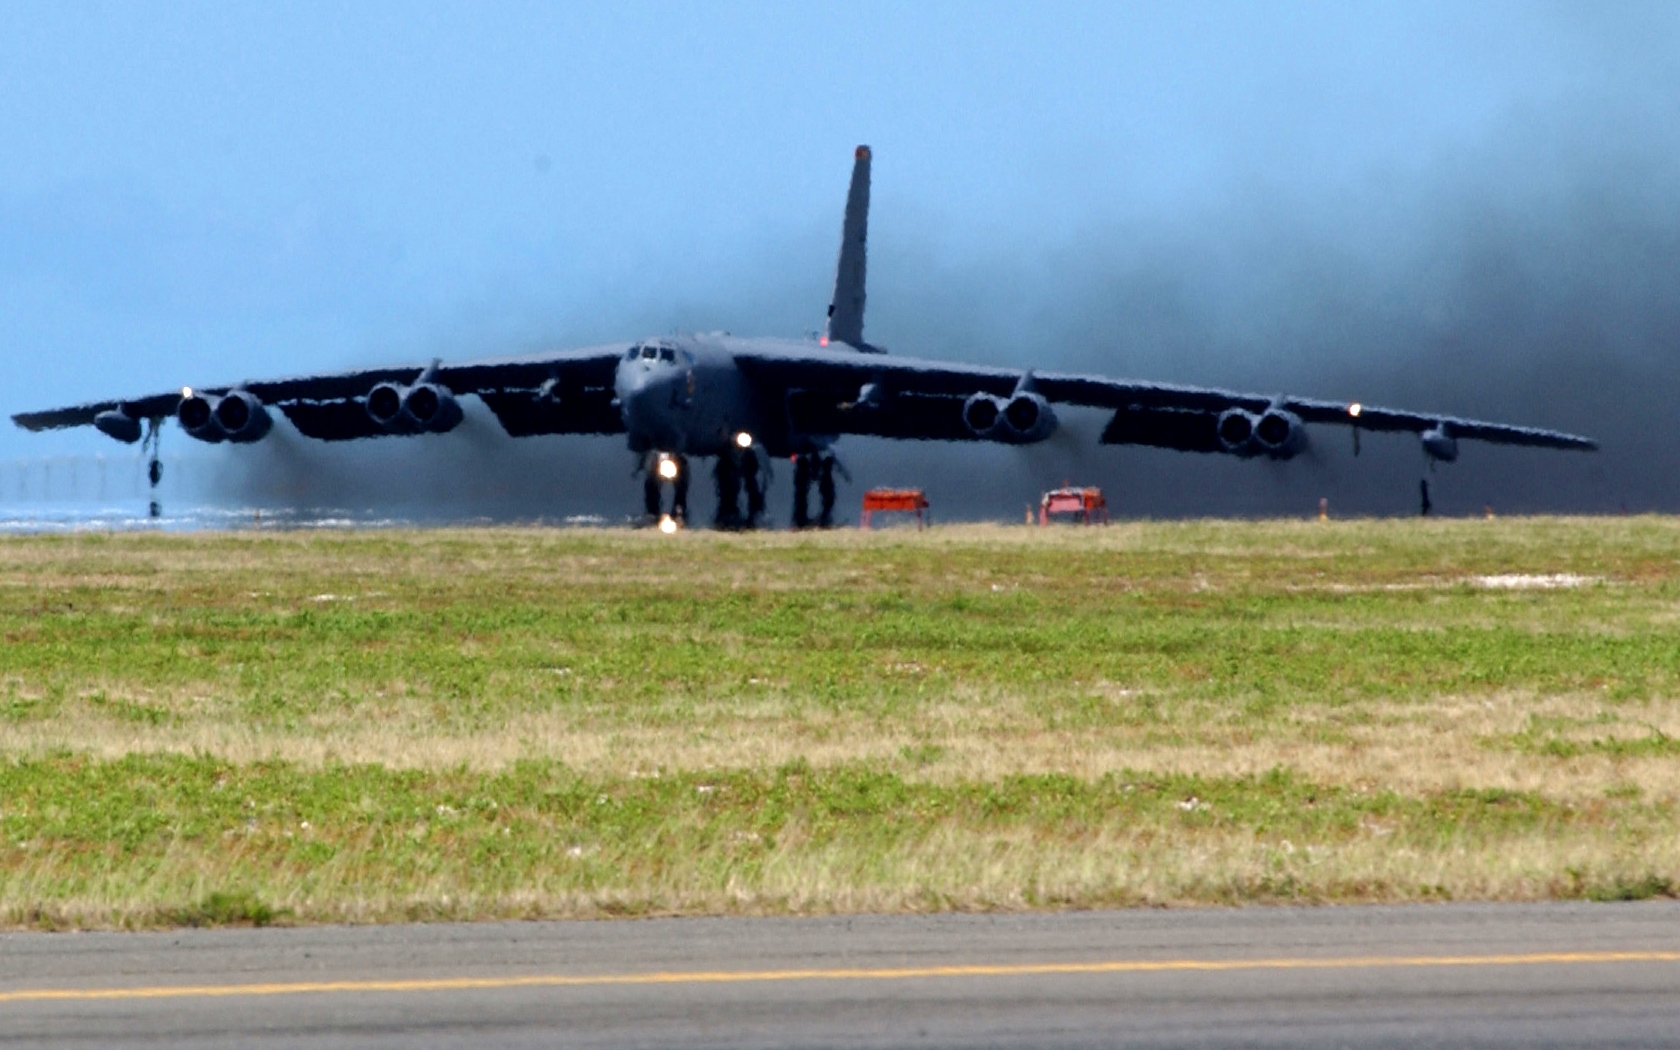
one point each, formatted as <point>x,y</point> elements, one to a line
<point>667,354</point>
<point>649,353</point>
<point>630,355</point>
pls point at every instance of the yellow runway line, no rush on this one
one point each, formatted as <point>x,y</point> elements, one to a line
<point>559,980</point>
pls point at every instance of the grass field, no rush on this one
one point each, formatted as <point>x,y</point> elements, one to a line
<point>325,726</point>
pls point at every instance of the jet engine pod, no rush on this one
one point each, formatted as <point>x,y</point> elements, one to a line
<point>384,406</point>
<point>1280,434</point>
<point>118,424</point>
<point>197,417</point>
<point>432,408</point>
<point>1021,420</point>
<point>1027,418</point>
<point>1438,443</point>
<point>424,407</point>
<point>1235,428</point>
<point>241,417</point>
<point>981,413</point>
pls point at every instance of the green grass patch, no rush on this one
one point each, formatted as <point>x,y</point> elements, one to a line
<point>367,842</point>
<point>221,908</point>
<point>291,727</point>
<point>1567,738</point>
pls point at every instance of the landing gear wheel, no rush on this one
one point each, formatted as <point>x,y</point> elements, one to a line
<point>679,491</point>
<point>737,469</point>
<point>657,469</point>
<point>652,495</point>
<point>815,468</point>
<point>802,491</point>
<point>753,477</point>
<point>825,488</point>
<point>728,477</point>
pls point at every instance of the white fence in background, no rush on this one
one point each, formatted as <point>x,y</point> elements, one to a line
<point>97,480</point>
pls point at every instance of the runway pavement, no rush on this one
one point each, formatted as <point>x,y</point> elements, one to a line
<point>1596,975</point>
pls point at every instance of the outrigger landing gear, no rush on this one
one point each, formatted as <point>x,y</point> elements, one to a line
<point>817,468</point>
<point>660,468</point>
<point>154,464</point>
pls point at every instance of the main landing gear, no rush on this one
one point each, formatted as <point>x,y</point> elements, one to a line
<point>814,468</point>
<point>741,468</point>
<point>745,468</point>
<point>661,469</point>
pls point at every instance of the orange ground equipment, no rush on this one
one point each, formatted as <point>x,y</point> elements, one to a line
<point>1086,504</point>
<point>909,501</point>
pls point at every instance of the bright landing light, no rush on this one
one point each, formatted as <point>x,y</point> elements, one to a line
<point>668,468</point>
<point>1355,408</point>
<point>743,439</point>
<point>667,524</point>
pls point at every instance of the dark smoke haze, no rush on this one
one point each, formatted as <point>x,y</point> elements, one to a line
<point>1531,278</point>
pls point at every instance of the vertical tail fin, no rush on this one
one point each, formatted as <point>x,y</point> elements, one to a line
<point>845,310</point>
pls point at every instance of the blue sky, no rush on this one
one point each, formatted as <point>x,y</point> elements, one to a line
<point>195,193</point>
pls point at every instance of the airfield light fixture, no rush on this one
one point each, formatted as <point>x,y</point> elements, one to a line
<point>667,468</point>
<point>1355,408</point>
<point>667,524</point>
<point>743,439</point>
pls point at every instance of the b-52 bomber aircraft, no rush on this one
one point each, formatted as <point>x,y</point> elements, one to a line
<point>740,400</point>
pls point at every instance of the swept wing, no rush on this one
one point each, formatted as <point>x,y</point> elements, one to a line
<point>564,393</point>
<point>908,398</point>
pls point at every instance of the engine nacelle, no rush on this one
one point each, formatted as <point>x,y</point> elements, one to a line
<point>422,408</point>
<point>1028,419</point>
<point>1023,419</point>
<point>1280,434</point>
<point>241,417</point>
<point>118,424</point>
<point>432,407</point>
<point>237,416</point>
<point>384,405</point>
<point>197,417</point>
<point>981,413</point>
<point>1235,428</point>
<point>1439,444</point>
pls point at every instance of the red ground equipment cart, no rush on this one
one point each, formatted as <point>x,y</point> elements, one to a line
<point>1085,505</point>
<point>909,501</point>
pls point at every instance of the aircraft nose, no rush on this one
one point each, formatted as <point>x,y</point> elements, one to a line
<point>648,383</point>
<point>646,394</point>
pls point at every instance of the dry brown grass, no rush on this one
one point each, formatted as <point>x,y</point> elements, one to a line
<point>1358,656</point>
<point>1448,743</point>
<point>955,868</point>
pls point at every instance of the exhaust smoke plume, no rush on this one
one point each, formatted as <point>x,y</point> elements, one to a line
<point>1533,278</point>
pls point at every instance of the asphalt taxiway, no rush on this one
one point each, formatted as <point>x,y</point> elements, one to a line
<point>1597,975</point>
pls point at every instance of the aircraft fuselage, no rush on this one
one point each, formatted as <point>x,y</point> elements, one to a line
<point>685,394</point>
